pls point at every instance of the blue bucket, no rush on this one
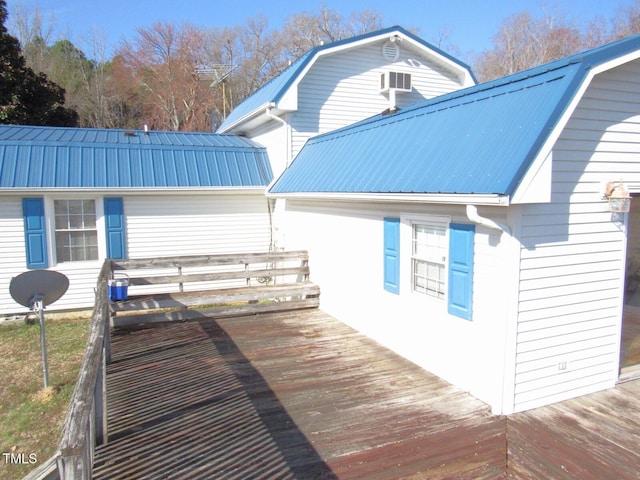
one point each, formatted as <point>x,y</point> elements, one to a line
<point>119,287</point>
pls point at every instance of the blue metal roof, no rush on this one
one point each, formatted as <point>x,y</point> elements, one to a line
<point>53,157</point>
<point>274,90</point>
<point>480,140</point>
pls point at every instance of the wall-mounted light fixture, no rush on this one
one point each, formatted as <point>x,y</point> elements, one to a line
<point>618,196</point>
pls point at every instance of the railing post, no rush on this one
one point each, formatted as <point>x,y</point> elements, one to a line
<point>100,403</point>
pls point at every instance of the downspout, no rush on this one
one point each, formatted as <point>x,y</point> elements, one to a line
<point>270,203</point>
<point>286,131</point>
<point>474,216</point>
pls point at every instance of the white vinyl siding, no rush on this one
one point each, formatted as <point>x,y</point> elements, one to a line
<point>196,225</point>
<point>572,257</point>
<point>342,89</point>
<point>12,248</point>
<point>162,225</point>
<point>275,137</point>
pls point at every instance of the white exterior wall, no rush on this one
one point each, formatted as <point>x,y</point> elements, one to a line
<point>345,244</point>
<point>196,225</point>
<point>275,137</point>
<point>157,225</point>
<point>573,251</point>
<point>344,88</point>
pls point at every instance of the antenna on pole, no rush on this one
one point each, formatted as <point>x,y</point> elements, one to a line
<point>216,74</point>
<point>36,289</point>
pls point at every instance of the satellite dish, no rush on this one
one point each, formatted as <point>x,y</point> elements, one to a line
<point>36,289</point>
<point>47,284</point>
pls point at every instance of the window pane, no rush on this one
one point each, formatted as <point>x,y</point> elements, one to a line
<point>76,233</point>
<point>429,257</point>
<point>89,207</point>
<point>74,207</point>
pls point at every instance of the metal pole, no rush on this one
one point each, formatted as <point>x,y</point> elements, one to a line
<point>38,305</point>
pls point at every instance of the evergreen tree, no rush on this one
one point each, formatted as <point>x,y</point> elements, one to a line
<point>26,97</point>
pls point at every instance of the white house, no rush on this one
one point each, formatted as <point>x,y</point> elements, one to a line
<point>341,83</point>
<point>71,197</point>
<point>471,232</point>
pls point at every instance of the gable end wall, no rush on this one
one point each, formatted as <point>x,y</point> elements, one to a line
<point>342,89</point>
<point>573,254</point>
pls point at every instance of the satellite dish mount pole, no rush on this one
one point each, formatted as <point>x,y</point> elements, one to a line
<point>37,305</point>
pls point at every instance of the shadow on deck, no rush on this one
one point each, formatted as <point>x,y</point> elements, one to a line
<point>301,395</point>
<point>288,395</point>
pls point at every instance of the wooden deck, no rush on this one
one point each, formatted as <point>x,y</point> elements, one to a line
<point>301,395</point>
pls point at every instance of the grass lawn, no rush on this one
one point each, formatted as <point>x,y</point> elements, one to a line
<point>31,417</point>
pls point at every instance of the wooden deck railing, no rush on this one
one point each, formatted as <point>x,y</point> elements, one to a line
<point>189,287</point>
<point>85,425</point>
<point>167,289</point>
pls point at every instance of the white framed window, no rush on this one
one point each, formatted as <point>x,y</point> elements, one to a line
<point>431,260</point>
<point>76,230</point>
<point>429,248</point>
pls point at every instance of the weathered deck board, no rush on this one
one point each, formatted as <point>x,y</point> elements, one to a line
<point>296,395</point>
<point>590,438</point>
<point>301,395</point>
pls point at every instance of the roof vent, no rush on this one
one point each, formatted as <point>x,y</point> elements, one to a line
<point>390,51</point>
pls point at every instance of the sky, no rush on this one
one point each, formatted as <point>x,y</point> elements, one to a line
<point>470,24</point>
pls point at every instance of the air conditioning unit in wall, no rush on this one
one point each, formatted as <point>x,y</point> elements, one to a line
<point>397,81</point>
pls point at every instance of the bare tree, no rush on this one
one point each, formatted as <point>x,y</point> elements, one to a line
<point>524,41</point>
<point>303,31</point>
<point>162,63</point>
<point>626,21</point>
<point>34,32</point>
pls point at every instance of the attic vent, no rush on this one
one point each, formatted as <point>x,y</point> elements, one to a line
<point>390,51</point>
<point>397,81</point>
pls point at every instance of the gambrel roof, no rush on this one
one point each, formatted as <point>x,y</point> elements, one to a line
<point>482,141</point>
<point>281,91</point>
<point>69,158</point>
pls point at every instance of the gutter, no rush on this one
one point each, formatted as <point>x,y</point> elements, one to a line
<point>474,216</point>
<point>249,116</point>
<point>451,199</point>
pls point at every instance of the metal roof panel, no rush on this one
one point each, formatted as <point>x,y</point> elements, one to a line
<point>52,157</point>
<point>472,142</point>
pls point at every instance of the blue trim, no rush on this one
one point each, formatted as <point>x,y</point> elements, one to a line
<point>460,298</point>
<point>115,227</point>
<point>35,232</point>
<point>392,255</point>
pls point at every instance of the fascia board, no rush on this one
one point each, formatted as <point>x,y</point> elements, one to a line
<point>249,116</point>
<point>453,199</point>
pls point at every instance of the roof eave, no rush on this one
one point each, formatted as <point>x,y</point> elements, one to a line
<point>247,118</point>
<point>437,198</point>
<point>88,191</point>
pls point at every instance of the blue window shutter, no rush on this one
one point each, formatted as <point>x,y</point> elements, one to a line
<point>35,232</point>
<point>392,255</point>
<point>115,227</point>
<point>461,269</point>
